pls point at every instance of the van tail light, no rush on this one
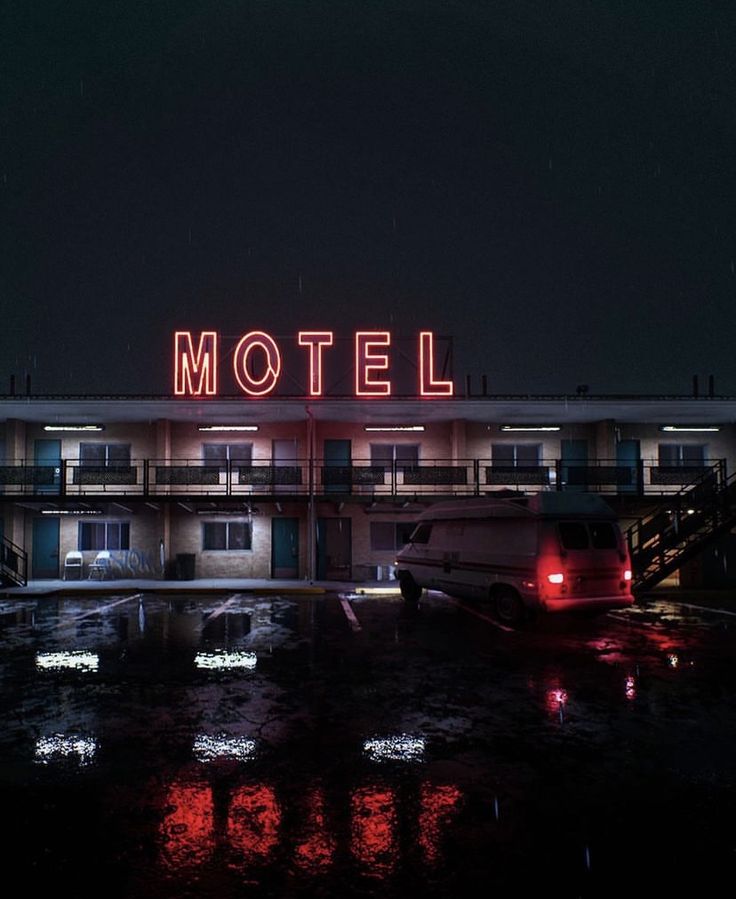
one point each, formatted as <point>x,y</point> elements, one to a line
<point>556,578</point>
<point>627,574</point>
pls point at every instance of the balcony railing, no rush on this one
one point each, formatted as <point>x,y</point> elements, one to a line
<point>359,477</point>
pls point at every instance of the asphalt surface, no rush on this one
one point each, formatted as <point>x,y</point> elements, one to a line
<point>343,745</point>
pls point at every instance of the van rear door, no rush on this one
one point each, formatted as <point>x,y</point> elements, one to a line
<point>593,558</point>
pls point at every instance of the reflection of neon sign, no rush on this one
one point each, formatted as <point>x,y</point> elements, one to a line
<point>258,363</point>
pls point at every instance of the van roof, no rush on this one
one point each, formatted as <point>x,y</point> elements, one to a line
<point>544,505</point>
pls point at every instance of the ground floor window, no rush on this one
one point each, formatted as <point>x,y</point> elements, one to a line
<point>390,535</point>
<point>103,535</point>
<point>226,535</point>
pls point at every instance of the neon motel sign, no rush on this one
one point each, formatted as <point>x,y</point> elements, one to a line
<point>257,363</point>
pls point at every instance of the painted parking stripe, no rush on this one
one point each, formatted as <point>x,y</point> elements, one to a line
<point>99,609</point>
<point>220,609</point>
<point>350,614</point>
<point>472,611</point>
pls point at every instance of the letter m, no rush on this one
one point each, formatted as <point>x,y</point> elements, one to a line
<point>195,373</point>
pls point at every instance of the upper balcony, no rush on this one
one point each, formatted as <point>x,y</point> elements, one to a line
<point>362,478</point>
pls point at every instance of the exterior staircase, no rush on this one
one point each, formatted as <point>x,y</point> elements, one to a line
<point>13,564</point>
<point>682,526</point>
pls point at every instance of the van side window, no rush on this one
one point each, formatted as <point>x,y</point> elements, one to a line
<point>421,534</point>
<point>573,535</point>
<point>602,535</point>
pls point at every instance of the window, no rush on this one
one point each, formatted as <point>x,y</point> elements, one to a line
<point>104,455</point>
<point>228,452</point>
<point>573,534</point>
<point>421,534</point>
<point>96,535</point>
<point>676,454</point>
<point>226,535</point>
<point>516,454</point>
<point>388,453</point>
<point>390,535</point>
<point>602,535</point>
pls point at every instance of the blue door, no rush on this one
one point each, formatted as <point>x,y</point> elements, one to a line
<point>45,562</point>
<point>337,472</point>
<point>284,547</point>
<point>573,463</point>
<point>627,461</point>
<point>47,473</point>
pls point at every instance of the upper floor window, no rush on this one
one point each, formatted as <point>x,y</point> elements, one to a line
<point>103,535</point>
<point>104,455</point>
<point>675,454</point>
<point>388,453</point>
<point>516,454</point>
<point>227,452</point>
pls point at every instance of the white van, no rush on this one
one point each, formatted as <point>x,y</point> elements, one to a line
<point>551,552</point>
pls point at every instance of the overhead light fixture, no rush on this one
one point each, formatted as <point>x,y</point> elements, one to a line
<point>74,427</point>
<point>688,428</point>
<point>71,512</point>
<point>394,427</point>
<point>530,428</point>
<point>227,428</point>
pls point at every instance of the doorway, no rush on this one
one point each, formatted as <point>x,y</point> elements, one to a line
<point>47,455</point>
<point>285,547</point>
<point>334,549</point>
<point>45,563</point>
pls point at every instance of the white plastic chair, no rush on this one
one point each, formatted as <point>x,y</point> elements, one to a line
<point>101,565</point>
<point>73,564</point>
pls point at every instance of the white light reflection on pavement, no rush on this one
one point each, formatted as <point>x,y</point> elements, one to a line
<point>399,748</point>
<point>220,659</point>
<point>77,659</point>
<point>62,746</point>
<point>208,747</point>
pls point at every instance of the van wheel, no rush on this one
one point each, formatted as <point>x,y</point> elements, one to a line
<point>509,607</point>
<point>410,590</point>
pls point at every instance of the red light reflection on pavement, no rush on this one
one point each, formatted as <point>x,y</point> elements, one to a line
<point>253,821</point>
<point>438,804</point>
<point>187,829</point>
<point>316,850</point>
<point>630,687</point>
<point>374,838</point>
<point>555,697</point>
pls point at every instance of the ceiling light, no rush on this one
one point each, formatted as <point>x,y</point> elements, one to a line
<point>394,427</point>
<point>74,427</point>
<point>70,512</point>
<point>689,428</point>
<point>227,428</point>
<point>530,428</point>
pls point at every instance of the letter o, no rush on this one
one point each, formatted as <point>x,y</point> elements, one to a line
<point>250,342</point>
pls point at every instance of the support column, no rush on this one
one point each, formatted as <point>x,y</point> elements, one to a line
<point>163,454</point>
<point>311,507</point>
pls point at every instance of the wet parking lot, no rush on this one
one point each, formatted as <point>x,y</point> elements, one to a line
<point>331,745</point>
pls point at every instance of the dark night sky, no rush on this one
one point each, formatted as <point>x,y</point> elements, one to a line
<point>550,182</point>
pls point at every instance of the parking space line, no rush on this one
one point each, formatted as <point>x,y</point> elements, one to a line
<point>99,609</point>
<point>480,615</point>
<point>350,614</point>
<point>220,609</point>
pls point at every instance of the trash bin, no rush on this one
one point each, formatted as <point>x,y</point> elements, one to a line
<point>185,566</point>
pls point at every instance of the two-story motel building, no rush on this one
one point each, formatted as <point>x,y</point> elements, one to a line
<point>318,487</point>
